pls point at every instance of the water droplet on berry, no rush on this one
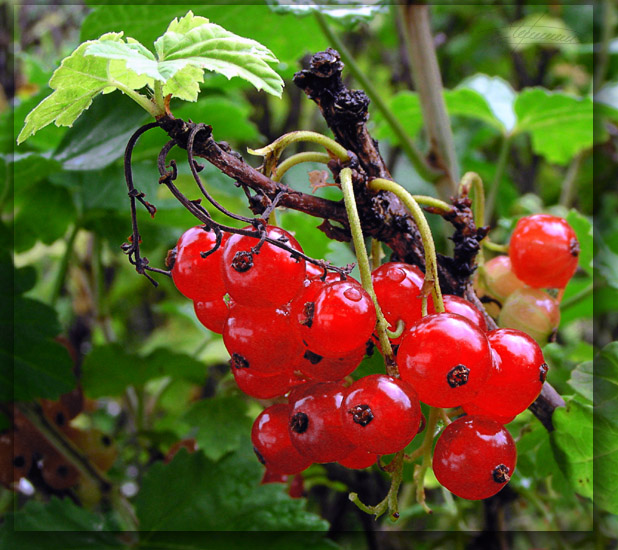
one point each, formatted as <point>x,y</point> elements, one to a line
<point>353,294</point>
<point>396,275</point>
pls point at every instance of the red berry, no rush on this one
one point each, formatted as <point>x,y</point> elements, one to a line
<point>445,358</point>
<point>517,378</point>
<point>533,311</point>
<point>398,287</point>
<point>328,369</point>
<point>15,459</point>
<point>496,278</point>
<point>264,387</point>
<point>213,314</point>
<point>359,459</point>
<point>271,276</point>
<point>460,306</point>
<point>261,339</point>
<point>316,425</point>
<point>196,277</point>
<point>380,414</point>
<point>336,319</point>
<point>272,444</point>
<point>544,251</point>
<point>474,457</point>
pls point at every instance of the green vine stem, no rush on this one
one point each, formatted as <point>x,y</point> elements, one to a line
<point>390,502</point>
<point>495,247</point>
<point>376,253</point>
<point>421,469</point>
<point>432,202</point>
<point>61,274</point>
<point>471,181</point>
<point>425,171</point>
<point>495,184</point>
<point>345,177</point>
<point>431,262</point>
<point>307,156</point>
<point>272,152</point>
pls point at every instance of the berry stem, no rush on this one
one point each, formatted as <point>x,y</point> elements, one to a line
<point>471,181</point>
<point>431,261</point>
<point>421,469</point>
<point>432,202</point>
<point>345,177</point>
<point>306,156</point>
<point>495,184</point>
<point>495,247</point>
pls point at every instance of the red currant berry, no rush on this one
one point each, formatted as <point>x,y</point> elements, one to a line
<point>261,339</point>
<point>517,378</point>
<point>398,287</point>
<point>265,387</point>
<point>268,276</point>
<point>460,306</point>
<point>213,314</point>
<point>196,277</point>
<point>496,278</point>
<point>315,423</point>
<point>446,358</point>
<point>57,471</point>
<point>359,459</point>
<point>336,320</point>
<point>380,414</point>
<point>533,311</point>
<point>272,444</point>
<point>271,476</point>
<point>15,459</point>
<point>474,457</point>
<point>474,409</point>
<point>544,251</point>
<point>326,369</point>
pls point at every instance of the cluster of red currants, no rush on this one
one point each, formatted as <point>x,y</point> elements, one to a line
<point>543,254</point>
<point>292,330</point>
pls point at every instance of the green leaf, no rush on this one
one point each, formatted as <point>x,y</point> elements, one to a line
<point>408,108</point>
<point>540,30</point>
<point>77,81</point>
<point>31,167</point>
<point>560,125</point>
<point>573,448</point>
<point>581,379</point>
<point>349,14</point>
<point>583,229</point>
<point>606,428</point>
<point>99,137</point>
<point>208,415</point>
<point>32,363</point>
<point>108,370</point>
<point>74,528</point>
<point>193,493</point>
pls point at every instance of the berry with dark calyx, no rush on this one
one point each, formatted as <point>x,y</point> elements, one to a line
<point>261,339</point>
<point>96,445</point>
<point>57,471</point>
<point>446,358</point>
<point>380,414</point>
<point>271,440</point>
<point>359,459</point>
<point>474,457</point>
<point>544,251</point>
<point>213,314</point>
<point>337,320</point>
<point>270,276</point>
<point>517,377</point>
<point>460,306</point>
<point>532,311</point>
<point>265,387</point>
<point>315,423</point>
<point>398,288</point>
<point>196,277</point>
<point>326,369</point>
<point>15,459</point>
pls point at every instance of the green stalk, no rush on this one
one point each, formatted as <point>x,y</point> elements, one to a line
<point>142,101</point>
<point>345,177</point>
<point>407,145</point>
<point>471,181</point>
<point>275,149</point>
<point>568,185</point>
<point>420,470</point>
<point>577,298</point>
<point>431,262</point>
<point>307,156</point>
<point>495,184</point>
<point>63,267</point>
<point>432,202</point>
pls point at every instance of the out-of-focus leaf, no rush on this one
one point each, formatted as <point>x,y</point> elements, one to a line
<point>560,125</point>
<point>29,168</point>
<point>408,108</point>
<point>348,14</point>
<point>581,379</point>
<point>210,415</point>
<point>540,30</point>
<point>572,440</point>
<point>606,428</point>
<point>100,136</point>
<point>194,493</point>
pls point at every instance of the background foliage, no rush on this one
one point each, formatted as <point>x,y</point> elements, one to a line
<point>522,117</point>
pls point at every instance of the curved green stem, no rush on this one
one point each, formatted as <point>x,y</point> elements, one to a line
<point>158,94</point>
<point>345,177</point>
<point>495,184</point>
<point>471,181</point>
<point>420,470</point>
<point>63,267</point>
<point>495,247</point>
<point>416,157</point>
<point>398,331</point>
<point>307,156</point>
<point>149,106</point>
<point>576,298</point>
<point>273,151</point>
<point>431,262</point>
<point>432,202</point>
